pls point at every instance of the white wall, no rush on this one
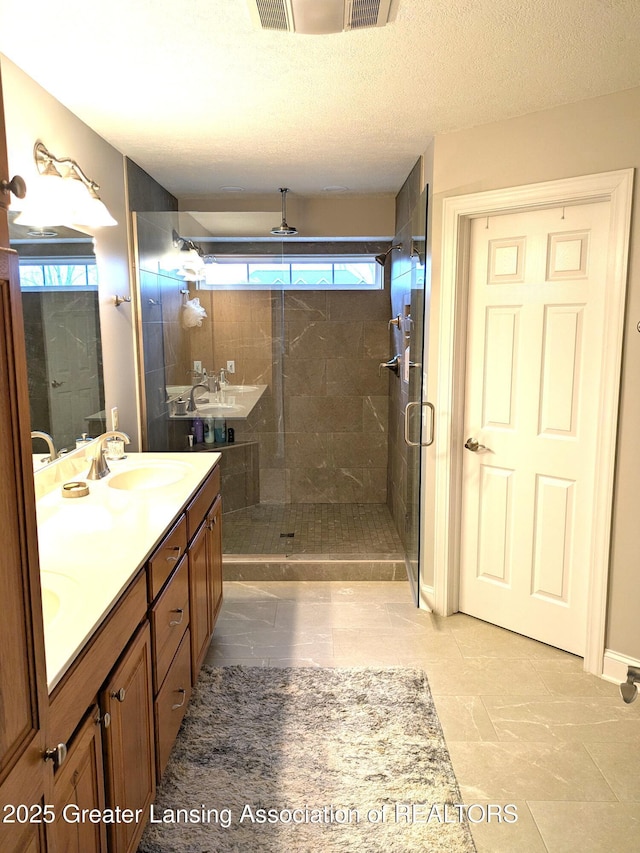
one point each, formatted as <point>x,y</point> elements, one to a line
<point>32,114</point>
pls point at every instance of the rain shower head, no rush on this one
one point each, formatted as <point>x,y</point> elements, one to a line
<point>284,230</point>
<point>382,258</point>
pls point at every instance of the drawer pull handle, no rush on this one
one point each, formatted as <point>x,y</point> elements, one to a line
<point>174,557</point>
<point>175,622</point>
<point>119,694</point>
<point>184,698</point>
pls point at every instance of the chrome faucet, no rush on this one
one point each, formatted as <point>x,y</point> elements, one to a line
<point>192,406</point>
<point>46,437</point>
<point>99,467</point>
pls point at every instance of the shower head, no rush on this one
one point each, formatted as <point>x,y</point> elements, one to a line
<point>382,258</point>
<point>284,230</point>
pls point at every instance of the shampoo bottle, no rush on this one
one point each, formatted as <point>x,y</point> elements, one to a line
<point>198,430</point>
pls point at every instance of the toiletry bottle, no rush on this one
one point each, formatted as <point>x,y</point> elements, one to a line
<point>220,430</point>
<point>208,431</point>
<point>198,430</point>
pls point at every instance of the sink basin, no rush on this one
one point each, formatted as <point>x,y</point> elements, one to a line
<point>57,589</point>
<point>148,477</point>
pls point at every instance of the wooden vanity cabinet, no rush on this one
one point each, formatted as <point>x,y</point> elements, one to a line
<point>205,583</point>
<point>24,776</point>
<point>79,785</point>
<point>129,740</point>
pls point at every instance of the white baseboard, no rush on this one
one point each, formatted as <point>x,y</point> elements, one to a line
<point>615,666</point>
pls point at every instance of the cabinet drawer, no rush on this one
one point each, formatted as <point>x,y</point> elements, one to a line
<point>199,506</point>
<point>171,703</point>
<point>169,620</point>
<point>166,556</point>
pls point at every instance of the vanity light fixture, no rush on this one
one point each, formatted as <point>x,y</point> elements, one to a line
<point>73,200</point>
<point>284,230</point>
<point>382,257</point>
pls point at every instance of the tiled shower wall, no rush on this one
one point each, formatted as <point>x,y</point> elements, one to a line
<point>321,426</point>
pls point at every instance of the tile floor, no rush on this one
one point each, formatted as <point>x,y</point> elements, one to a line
<point>345,529</point>
<point>523,723</point>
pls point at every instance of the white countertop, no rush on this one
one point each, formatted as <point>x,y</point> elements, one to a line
<point>235,402</point>
<point>91,547</point>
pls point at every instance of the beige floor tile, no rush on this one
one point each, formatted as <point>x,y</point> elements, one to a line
<point>479,639</point>
<point>407,617</point>
<point>277,590</point>
<point>303,615</point>
<point>374,592</point>
<point>583,719</point>
<point>578,684</point>
<point>501,836</point>
<point>527,771</point>
<point>464,718</point>
<point>588,827</point>
<point>371,618</point>
<point>480,676</point>
<point>241,616</point>
<point>619,763</point>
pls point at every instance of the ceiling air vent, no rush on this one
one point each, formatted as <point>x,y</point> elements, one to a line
<point>316,17</point>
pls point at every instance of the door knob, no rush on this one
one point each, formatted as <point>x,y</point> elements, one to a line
<point>473,445</point>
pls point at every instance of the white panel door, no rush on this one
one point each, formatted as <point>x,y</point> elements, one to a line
<point>535,315</point>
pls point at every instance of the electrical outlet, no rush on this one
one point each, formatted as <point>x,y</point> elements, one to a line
<point>197,367</point>
<point>231,367</point>
<point>114,418</point>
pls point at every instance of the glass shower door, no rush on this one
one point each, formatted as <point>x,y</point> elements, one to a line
<point>419,413</point>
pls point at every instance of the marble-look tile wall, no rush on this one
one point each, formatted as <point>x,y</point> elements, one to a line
<point>321,426</point>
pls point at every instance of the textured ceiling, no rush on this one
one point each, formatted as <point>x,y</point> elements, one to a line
<point>201,100</point>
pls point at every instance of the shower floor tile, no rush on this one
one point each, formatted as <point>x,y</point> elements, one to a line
<point>354,530</point>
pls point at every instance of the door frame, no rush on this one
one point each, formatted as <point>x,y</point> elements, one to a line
<point>615,187</point>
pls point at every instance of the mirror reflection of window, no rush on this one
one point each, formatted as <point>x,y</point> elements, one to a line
<point>59,284</point>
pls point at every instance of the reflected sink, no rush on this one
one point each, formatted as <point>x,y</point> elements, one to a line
<point>239,389</point>
<point>56,589</point>
<point>148,477</point>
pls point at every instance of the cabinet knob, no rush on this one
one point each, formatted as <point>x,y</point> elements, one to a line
<point>184,697</point>
<point>16,185</point>
<point>57,754</point>
<point>105,719</point>
<point>119,695</point>
<point>175,622</point>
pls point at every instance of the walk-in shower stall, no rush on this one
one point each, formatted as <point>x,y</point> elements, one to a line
<point>308,351</point>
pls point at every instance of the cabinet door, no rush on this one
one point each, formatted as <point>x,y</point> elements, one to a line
<point>199,598</point>
<point>25,778</point>
<point>129,740</point>
<point>79,784</point>
<point>214,519</point>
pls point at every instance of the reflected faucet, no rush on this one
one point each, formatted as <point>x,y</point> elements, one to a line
<point>99,467</point>
<point>192,406</point>
<point>46,437</point>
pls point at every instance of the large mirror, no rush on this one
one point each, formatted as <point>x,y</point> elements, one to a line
<point>59,285</point>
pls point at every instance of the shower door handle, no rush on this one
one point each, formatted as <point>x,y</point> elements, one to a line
<point>432,422</point>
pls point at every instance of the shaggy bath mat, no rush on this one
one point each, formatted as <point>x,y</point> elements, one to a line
<point>273,760</point>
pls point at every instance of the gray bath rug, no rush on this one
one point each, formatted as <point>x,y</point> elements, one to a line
<point>296,760</point>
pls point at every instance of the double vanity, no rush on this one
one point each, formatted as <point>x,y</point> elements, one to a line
<point>131,577</point>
